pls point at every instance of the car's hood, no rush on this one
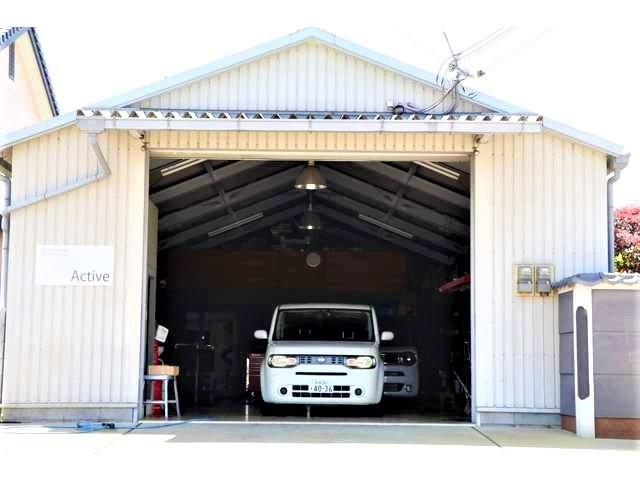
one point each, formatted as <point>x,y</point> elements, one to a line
<point>322,348</point>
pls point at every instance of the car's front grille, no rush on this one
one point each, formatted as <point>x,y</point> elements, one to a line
<point>393,387</point>
<point>391,358</point>
<point>393,374</point>
<point>321,360</point>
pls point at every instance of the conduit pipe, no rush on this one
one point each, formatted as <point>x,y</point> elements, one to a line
<point>616,165</point>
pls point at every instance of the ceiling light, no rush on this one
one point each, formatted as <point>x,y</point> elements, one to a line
<point>310,179</point>
<point>435,167</point>
<point>176,167</point>
<point>237,224</point>
<point>385,226</point>
<point>310,220</point>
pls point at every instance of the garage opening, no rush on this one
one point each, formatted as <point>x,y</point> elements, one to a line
<point>236,239</point>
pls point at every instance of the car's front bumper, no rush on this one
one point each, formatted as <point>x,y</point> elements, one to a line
<point>401,381</point>
<point>349,386</point>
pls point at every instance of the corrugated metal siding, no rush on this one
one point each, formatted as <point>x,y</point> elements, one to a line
<point>311,141</point>
<point>309,76</point>
<point>76,344</point>
<point>537,199</point>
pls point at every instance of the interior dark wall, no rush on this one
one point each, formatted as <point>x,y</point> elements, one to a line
<point>223,295</point>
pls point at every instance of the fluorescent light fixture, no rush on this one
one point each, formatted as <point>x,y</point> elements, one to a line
<point>385,226</point>
<point>176,167</point>
<point>435,167</point>
<point>237,224</point>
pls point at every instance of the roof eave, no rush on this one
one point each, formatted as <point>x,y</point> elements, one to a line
<point>583,137</point>
<point>44,72</point>
<point>24,134</point>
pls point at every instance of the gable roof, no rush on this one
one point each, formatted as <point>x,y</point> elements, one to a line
<point>285,42</point>
<point>10,35</point>
<point>307,34</point>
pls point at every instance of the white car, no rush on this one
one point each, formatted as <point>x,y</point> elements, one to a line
<point>323,354</point>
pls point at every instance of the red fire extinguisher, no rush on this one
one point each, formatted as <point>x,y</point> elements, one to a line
<point>156,409</point>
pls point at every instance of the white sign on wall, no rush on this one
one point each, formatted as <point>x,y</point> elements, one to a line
<point>74,265</point>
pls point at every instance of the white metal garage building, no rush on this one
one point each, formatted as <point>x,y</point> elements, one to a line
<point>537,196</point>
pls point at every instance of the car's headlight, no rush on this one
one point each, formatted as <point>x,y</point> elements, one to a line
<point>409,358</point>
<point>282,361</point>
<point>361,362</point>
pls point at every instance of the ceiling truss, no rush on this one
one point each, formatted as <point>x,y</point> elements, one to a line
<point>430,233</point>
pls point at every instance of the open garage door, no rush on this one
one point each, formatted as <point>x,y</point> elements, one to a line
<point>234,242</point>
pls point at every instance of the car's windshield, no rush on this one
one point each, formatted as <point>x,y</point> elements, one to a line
<point>333,325</point>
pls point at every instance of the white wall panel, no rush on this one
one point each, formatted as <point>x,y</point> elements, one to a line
<point>76,345</point>
<point>309,76</point>
<point>537,199</point>
<point>311,141</point>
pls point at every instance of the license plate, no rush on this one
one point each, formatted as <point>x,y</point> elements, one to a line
<point>321,387</point>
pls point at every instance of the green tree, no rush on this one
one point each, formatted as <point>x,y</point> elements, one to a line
<point>627,239</point>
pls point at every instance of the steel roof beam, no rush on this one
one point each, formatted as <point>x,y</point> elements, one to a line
<point>436,240</point>
<point>401,191</point>
<point>213,205</point>
<point>252,227</point>
<point>354,222</point>
<point>202,181</point>
<point>416,183</point>
<point>204,228</point>
<point>442,222</point>
<point>220,191</point>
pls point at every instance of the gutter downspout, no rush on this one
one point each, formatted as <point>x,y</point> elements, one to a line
<point>92,129</point>
<point>103,171</point>
<point>3,278</point>
<point>615,165</point>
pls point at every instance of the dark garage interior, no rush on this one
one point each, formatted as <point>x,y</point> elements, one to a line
<point>235,239</point>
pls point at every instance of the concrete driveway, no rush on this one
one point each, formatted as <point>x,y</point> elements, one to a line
<point>310,450</point>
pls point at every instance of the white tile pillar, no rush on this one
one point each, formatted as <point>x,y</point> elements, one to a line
<point>585,408</point>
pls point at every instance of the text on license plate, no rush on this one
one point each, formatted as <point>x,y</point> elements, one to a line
<point>321,387</point>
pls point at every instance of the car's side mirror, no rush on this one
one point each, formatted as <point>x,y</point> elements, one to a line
<point>387,336</point>
<point>260,335</point>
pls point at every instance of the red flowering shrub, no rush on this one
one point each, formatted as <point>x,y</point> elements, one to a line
<point>627,239</point>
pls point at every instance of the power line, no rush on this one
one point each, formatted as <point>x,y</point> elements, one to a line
<point>524,46</point>
<point>480,41</point>
<point>488,43</point>
<point>413,40</point>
